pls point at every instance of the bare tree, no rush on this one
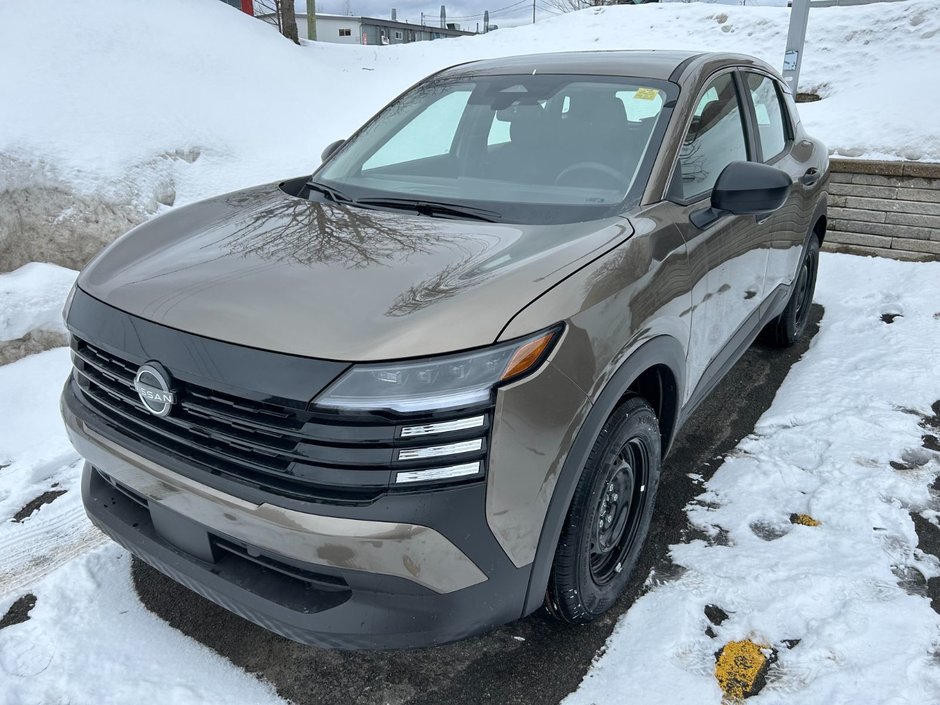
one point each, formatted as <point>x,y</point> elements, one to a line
<point>288,20</point>
<point>573,5</point>
<point>281,14</point>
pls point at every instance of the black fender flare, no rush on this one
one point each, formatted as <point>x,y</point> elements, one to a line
<point>821,211</point>
<point>662,350</point>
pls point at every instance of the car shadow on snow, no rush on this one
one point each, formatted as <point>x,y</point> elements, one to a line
<point>535,660</point>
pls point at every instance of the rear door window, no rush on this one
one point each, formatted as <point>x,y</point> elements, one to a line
<point>771,127</point>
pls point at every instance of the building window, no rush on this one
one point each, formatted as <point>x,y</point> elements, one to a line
<point>345,33</point>
<point>397,35</point>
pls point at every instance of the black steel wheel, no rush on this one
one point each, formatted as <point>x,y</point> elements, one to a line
<point>609,516</point>
<point>789,326</point>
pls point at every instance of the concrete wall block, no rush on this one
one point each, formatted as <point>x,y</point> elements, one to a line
<point>838,213</point>
<point>842,189</point>
<point>860,226</point>
<point>877,252</point>
<point>868,166</point>
<point>929,246</point>
<point>927,170</point>
<point>883,204</point>
<point>918,194</point>
<point>915,219</point>
<point>874,180</point>
<point>849,238</point>
<point>879,180</point>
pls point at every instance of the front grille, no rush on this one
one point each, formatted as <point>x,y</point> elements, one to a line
<point>274,445</point>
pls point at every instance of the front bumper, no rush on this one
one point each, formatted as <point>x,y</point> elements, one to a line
<point>376,578</point>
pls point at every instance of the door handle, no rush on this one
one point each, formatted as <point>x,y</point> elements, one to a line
<point>810,177</point>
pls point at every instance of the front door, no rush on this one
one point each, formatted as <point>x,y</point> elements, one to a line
<point>730,256</point>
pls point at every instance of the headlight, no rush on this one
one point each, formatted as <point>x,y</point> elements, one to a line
<point>442,382</point>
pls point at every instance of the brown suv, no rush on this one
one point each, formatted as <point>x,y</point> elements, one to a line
<point>427,389</point>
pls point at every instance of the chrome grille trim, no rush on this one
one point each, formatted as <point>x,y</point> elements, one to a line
<point>443,427</point>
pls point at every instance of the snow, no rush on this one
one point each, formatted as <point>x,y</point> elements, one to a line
<point>847,589</point>
<point>89,640</point>
<point>172,103</point>
<point>849,408</point>
<point>32,299</point>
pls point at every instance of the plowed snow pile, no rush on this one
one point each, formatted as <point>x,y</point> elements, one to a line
<point>113,110</point>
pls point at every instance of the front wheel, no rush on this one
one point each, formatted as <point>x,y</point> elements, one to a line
<point>609,516</point>
<point>788,327</point>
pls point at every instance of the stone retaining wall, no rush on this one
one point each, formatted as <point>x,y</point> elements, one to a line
<point>890,209</point>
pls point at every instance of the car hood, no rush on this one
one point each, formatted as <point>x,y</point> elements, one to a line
<point>263,268</point>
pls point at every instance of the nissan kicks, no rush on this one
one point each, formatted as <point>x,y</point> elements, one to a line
<point>428,388</point>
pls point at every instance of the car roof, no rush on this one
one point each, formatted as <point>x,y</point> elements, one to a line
<point>653,63</point>
<point>661,64</point>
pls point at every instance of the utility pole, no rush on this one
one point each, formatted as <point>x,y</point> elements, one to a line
<point>793,56</point>
<point>312,20</point>
<point>486,21</point>
<point>533,11</point>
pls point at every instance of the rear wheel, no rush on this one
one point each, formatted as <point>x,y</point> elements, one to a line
<point>788,327</point>
<point>609,516</point>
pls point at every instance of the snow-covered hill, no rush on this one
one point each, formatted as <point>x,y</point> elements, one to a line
<point>147,105</point>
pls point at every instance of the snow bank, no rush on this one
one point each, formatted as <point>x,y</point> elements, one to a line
<point>31,298</point>
<point>121,109</point>
<point>842,442</point>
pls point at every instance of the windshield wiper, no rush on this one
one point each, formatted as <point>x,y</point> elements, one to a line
<point>333,194</point>
<point>431,208</point>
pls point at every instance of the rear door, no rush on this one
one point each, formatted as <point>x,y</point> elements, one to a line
<point>774,131</point>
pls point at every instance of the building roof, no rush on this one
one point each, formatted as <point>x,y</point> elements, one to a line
<point>394,24</point>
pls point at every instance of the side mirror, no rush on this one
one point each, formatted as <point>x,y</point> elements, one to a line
<point>331,149</point>
<point>745,188</point>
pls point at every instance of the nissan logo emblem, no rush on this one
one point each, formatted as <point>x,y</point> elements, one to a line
<point>153,387</point>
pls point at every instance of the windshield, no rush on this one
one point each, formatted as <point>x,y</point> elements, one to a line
<point>535,148</point>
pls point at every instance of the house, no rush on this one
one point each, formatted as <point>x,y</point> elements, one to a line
<point>342,29</point>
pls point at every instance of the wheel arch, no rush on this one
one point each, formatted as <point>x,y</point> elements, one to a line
<point>655,371</point>
<point>820,221</point>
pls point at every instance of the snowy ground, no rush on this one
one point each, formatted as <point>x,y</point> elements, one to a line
<point>843,443</point>
<point>848,588</point>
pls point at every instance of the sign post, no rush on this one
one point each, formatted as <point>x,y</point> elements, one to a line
<point>793,56</point>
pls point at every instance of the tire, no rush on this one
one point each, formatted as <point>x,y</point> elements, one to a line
<point>604,533</point>
<point>789,326</point>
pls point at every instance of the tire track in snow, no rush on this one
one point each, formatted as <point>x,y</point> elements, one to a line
<point>48,539</point>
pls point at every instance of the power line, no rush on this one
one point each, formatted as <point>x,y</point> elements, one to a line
<point>492,12</point>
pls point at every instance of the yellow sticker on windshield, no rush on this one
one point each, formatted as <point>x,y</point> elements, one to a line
<point>646,94</point>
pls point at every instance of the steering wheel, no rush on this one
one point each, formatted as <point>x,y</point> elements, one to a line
<point>596,167</point>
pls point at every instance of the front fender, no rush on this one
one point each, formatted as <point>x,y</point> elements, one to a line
<point>662,350</point>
